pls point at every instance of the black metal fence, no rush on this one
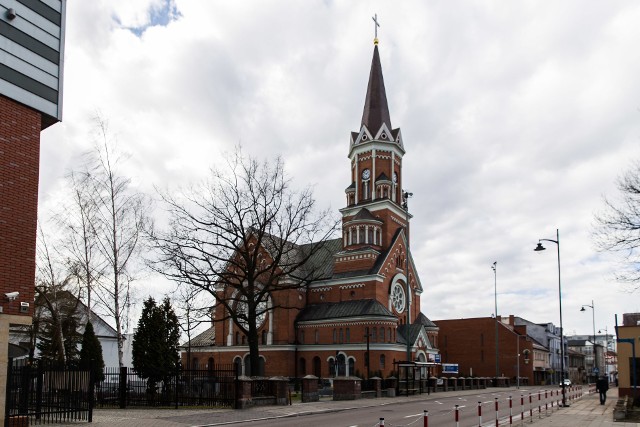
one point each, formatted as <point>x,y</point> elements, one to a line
<point>43,392</point>
<point>123,387</point>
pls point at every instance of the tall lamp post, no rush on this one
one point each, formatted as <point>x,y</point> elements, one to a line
<point>538,248</point>
<point>596,371</point>
<point>494,267</point>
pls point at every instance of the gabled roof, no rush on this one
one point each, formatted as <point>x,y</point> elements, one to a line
<point>376,109</point>
<point>204,339</point>
<point>382,177</point>
<point>413,331</point>
<point>424,321</point>
<point>364,214</point>
<point>344,309</point>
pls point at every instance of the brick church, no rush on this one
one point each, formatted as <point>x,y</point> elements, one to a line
<point>372,296</point>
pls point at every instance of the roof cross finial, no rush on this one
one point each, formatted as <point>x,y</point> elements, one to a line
<point>375,20</point>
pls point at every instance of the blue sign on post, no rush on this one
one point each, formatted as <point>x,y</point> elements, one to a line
<point>437,358</point>
<point>596,370</point>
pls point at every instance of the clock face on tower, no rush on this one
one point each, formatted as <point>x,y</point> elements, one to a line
<point>398,298</point>
<point>366,174</point>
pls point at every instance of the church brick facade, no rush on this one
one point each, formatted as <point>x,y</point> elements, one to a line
<point>371,297</point>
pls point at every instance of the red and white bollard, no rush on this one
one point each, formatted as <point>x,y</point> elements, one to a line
<point>479,414</point>
<point>457,417</point>
<point>426,418</point>
<point>546,403</point>
<point>381,422</point>
<point>539,406</point>
<point>522,408</point>
<point>510,410</point>
<point>497,423</point>
<point>530,408</point>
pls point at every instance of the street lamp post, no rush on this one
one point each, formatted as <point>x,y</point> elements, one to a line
<point>494,267</point>
<point>538,248</point>
<point>596,371</point>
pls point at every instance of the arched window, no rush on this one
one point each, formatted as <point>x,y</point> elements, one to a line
<point>348,335</point>
<point>264,337</point>
<point>261,363</point>
<point>237,338</point>
<point>194,363</point>
<point>210,366</point>
<point>244,339</point>
<point>382,339</point>
<point>342,365</point>
<point>341,336</point>
<point>373,335</point>
<point>301,337</point>
<point>332,367</point>
<point>352,364</point>
<point>335,336</point>
<point>317,337</point>
<point>382,361</point>
<point>317,367</point>
<point>370,235</point>
<point>237,362</point>
<point>390,336</point>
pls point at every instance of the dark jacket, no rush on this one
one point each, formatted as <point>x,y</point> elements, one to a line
<point>602,385</point>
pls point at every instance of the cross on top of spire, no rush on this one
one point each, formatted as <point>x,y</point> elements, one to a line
<point>375,28</point>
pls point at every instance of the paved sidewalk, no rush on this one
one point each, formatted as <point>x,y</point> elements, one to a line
<point>584,412</point>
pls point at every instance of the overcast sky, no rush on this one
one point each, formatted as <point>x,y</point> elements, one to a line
<point>517,119</point>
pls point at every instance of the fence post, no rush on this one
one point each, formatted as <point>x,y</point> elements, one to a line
<point>122,387</point>
<point>426,418</point>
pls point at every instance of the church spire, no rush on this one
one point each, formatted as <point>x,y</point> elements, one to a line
<point>376,110</point>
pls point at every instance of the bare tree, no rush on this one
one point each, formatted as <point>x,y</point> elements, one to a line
<point>243,236</point>
<point>192,311</point>
<point>618,226</point>
<point>80,227</point>
<point>118,216</point>
<point>56,316</point>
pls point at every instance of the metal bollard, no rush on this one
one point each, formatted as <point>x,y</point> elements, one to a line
<point>510,410</point>
<point>426,418</point>
<point>457,417</point>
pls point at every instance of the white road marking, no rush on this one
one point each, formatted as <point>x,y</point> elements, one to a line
<point>411,416</point>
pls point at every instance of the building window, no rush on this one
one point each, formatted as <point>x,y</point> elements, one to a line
<point>382,361</point>
<point>341,336</point>
<point>382,335</point>
<point>335,336</point>
<point>264,337</point>
<point>317,338</point>
<point>237,338</point>
<point>348,335</point>
<point>390,336</point>
<point>373,335</point>
<point>301,337</point>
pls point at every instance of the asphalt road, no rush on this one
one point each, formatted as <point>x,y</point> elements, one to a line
<point>441,411</point>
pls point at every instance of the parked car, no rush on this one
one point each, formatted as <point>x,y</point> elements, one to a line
<point>567,382</point>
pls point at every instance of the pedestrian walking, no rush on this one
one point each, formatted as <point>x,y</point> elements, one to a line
<point>602,385</point>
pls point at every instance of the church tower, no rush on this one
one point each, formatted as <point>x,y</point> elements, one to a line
<point>376,204</point>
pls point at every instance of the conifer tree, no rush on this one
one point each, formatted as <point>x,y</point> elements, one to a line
<point>91,353</point>
<point>155,342</point>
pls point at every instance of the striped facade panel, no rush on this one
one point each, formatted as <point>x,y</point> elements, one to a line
<point>31,54</point>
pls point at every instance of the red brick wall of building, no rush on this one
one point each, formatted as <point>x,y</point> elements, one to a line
<point>471,344</point>
<point>19,168</point>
